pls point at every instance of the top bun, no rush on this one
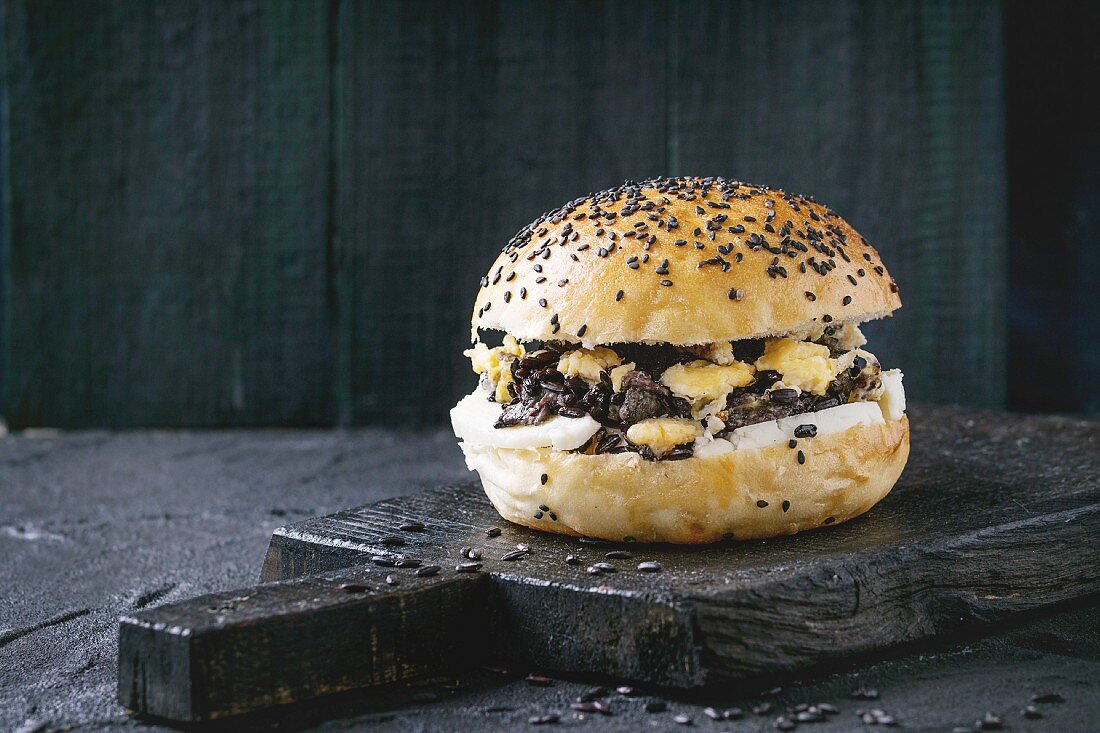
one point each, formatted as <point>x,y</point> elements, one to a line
<point>683,261</point>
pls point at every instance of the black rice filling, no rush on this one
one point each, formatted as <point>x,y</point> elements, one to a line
<point>540,391</point>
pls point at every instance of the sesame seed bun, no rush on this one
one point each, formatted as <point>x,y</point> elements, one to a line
<point>746,494</point>
<point>656,261</point>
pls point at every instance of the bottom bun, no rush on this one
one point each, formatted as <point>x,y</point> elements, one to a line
<point>745,494</point>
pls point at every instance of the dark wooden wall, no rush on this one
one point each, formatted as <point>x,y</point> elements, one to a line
<point>277,211</point>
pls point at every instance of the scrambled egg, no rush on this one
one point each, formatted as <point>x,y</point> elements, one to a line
<point>662,434</point>
<point>588,363</point>
<point>494,362</point>
<point>503,396</point>
<point>803,364</point>
<point>720,353</point>
<point>701,382</point>
<point>850,337</point>
<point>617,375</point>
<point>813,333</point>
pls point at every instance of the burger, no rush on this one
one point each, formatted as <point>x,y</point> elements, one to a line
<point>680,360</point>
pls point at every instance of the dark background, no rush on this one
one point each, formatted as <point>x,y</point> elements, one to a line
<point>253,213</point>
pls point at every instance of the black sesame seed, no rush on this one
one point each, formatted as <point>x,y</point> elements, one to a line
<point>847,300</point>
<point>493,532</point>
<point>513,555</point>
<point>543,479</point>
<point>989,721</point>
<point>538,680</point>
<point>650,566</point>
<point>428,571</point>
<point>581,330</point>
<point>391,580</point>
<point>801,457</point>
<point>542,302</point>
<point>786,505</point>
<point>1031,712</point>
<point>354,587</point>
<point>1047,697</point>
<point>412,562</point>
<point>412,527</point>
<point>572,560</point>
<point>467,567</point>
<point>392,541</point>
<point>807,430</point>
<point>761,503</point>
<point>810,296</point>
<point>736,294</point>
<point>618,555</point>
<point>538,515</point>
<point>666,283</point>
<point>618,296</point>
<point>383,562</point>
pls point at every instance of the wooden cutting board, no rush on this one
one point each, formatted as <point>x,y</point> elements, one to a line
<point>995,514</point>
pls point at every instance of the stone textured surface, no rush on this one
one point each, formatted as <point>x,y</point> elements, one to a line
<point>93,525</point>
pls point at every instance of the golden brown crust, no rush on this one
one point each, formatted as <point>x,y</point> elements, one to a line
<point>697,500</point>
<point>731,285</point>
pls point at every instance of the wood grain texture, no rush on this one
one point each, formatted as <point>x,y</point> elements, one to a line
<point>995,515</point>
<point>258,212</point>
<point>458,124</point>
<point>231,663</point>
<point>168,202</point>
<point>891,113</point>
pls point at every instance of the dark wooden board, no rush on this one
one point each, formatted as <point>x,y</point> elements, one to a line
<point>250,212</point>
<point>995,515</point>
<point>166,213</point>
<point>869,107</point>
<point>504,110</point>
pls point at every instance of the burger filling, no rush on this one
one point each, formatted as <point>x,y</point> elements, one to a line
<point>668,402</point>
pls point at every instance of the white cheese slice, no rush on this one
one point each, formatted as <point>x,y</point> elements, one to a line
<point>892,401</point>
<point>832,420</point>
<point>705,446</point>
<point>473,417</point>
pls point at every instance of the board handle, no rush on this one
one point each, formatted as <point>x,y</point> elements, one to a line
<point>275,643</point>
